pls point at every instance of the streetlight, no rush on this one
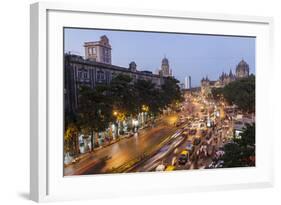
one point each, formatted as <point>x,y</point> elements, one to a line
<point>120,117</point>
<point>115,113</point>
<point>145,108</point>
<point>135,124</point>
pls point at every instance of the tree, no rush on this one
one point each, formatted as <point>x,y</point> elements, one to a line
<point>240,92</point>
<point>71,143</point>
<point>247,142</point>
<point>247,136</point>
<point>232,156</point>
<point>123,95</point>
<point>147,95</point>
<point>171,91</point>
<point>94,110</point>
<point>71,132</point>
<point>241,153</point>
<point>217,93</point>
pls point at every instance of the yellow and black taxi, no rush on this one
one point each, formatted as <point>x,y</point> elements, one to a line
<point>170,168</point>
<point>183,158</point>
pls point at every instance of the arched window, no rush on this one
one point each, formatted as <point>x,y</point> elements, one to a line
<point>90,51</point>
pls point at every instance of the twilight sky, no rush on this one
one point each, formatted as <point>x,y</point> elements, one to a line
<point>194,55</point>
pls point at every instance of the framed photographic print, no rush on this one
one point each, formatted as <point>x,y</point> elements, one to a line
<point>127,102</point>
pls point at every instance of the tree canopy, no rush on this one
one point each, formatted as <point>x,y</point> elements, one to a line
<point>241,153</point>
<point>240,92</point>
<point>121,98</point>
<point>95,109</point>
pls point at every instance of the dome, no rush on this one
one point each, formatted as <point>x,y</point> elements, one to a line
<point>133,66</point>
<point>242,69</point>
<point>165,61</point>
<point>133,63</point>
<point>242,66</point>
<point>242,63</point>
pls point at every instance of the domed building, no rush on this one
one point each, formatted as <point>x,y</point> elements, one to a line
<point>165,68</point>
<point>225,78</point>
<point>242,69</point>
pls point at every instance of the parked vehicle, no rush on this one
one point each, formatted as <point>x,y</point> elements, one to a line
<point>196,141</point>
<point>160,167</point>
<point>170,168</point>
<point>210,150</point>
<point>189,147</point>
<point>183,158</point>
<point>192,131</point>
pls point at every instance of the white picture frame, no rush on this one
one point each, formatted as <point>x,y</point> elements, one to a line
<point>46,177</point>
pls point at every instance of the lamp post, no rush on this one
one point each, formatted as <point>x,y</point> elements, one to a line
<point>145,109</point>
<point>135,125</point>
<point>119,119</point>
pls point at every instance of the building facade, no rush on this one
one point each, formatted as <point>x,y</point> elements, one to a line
<point>98,51</point>
<point>242,71</point>
<point>187,82</point>
<point>81,72</point>
<point>165,70</point>
<point>96,68</point>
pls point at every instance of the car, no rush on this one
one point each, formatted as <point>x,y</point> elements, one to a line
<point>208,136</point>
<point>219,154</point>
<point>160,167</point>
<point>185,133</point>
<point>192,131</point>
<point>196,141</point>
<point>183,158</point>
<point>170,168</point>
<point>189,147</point>
<point>203,133</point>
<point>182,120</point>
<point>219,164</point>
<point>210,150</point>
<point>179,123</point>
<point>216,164</point>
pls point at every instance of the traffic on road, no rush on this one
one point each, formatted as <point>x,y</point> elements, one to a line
<point>189,138</point>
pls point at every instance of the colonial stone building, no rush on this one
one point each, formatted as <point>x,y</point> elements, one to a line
<point>242,71</point>
<point>226,78</point>
<point>80,72</point>
<point>207,85</point>
<point>99,51</point>
<point>165,68</point>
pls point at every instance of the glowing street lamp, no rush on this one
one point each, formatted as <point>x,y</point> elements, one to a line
<point>145,108</point>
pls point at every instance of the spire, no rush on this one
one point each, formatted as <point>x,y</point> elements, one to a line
<point>230,73</point>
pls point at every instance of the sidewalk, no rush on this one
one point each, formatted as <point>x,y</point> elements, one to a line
<point>83,156</point>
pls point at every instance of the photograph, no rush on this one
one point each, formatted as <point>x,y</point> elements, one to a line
<point>148,101</point>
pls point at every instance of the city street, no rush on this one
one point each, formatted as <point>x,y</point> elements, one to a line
<point>119,153</point>
<point>196,161</point>
<point>161,144</point>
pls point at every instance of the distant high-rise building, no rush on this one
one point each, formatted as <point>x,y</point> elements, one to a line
<point>187,82</point>
<point>99,51</point>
